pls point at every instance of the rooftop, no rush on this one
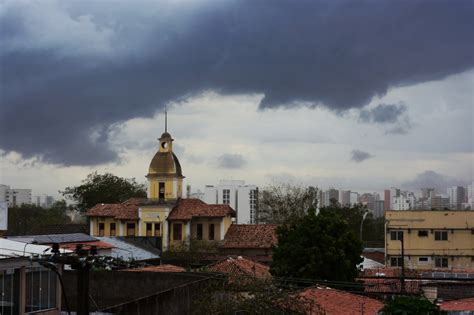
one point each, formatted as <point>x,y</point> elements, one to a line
<point>250,236</point>
<point>458,305</point>
<point>186,209</point>
<point>160,268</point>
<point>335,302</point>
<point>241,267</point>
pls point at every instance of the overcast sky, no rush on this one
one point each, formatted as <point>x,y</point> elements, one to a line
<point>359,96</point>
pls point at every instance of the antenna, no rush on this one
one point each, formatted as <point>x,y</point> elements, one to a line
<point>166,119</point>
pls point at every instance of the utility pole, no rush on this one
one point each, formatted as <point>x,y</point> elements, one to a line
<point>402,280</point>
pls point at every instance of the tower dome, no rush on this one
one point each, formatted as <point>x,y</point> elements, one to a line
<point>165,163</point>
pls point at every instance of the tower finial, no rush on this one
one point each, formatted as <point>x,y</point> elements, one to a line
<point>166,119</point>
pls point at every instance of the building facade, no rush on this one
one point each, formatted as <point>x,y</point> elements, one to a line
<point>241,197</point>
<point>15,196</point>
<point>164,215</point>
<point>431,239</point>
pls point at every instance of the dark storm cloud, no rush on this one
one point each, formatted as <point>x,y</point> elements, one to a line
<point>69,70</point>
<point>360,156</point>
<point>232,161</point>
<point>432,179</point>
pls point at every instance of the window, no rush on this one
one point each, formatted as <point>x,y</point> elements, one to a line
<point>161,192</point>
<point>226,196</point>
<point>130,229</point>
<point>199,231</point>
<point>441,235</point>
<point>422,259</point>
<point>113,231</point>
<point>253,205</point>
<point>396,261</point>
<point>149,229</point>
<point>157,229</point>
<point>441,262</point>
<point>423,233</point>
<point>177,232</point>
<point>211,232</point>
<point>396,235</point>
<point>101,229</point>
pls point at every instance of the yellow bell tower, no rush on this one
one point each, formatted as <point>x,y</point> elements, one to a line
<point>165,178</point>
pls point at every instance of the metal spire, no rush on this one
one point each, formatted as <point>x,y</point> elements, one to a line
<point>166,119</point>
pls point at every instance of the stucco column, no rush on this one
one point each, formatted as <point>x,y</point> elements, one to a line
<point>91,226</point>
<point>121,233</point>
<point>164,237</point>
<point>222,229</point>
<point>188,232</point>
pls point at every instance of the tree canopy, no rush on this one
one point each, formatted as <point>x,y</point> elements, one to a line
<point>106,188</point>
<point>22,220</point>
<point>411,305</point>
<point>317,247</point>
<point>280,203</point>
<point>373,228</point>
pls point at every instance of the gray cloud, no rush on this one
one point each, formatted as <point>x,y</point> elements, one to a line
<point>100,65</point>
<point>432,179</point>
<point>383,113</point>
<point>232,161</point>
<point>360,156</point>
<point>394,114</point>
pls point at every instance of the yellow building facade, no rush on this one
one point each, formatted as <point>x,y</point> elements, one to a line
<point>431,239</point>
<point>164,214</point>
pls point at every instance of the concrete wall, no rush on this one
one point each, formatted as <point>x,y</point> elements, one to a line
<point>112,288</point>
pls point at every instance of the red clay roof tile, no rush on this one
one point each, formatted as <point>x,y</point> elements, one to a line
<point>458,305</point>
<point>251,236</point>
<point>335,302</point>
<point>241,267</point>
<point>186,209</point>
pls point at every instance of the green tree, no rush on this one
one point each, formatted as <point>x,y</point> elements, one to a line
<point>411,305</point>
<point>22,220</point>
<point>317,247</point>
<point>373,228</point>
<point>106,188</point>
<point>281,203</point>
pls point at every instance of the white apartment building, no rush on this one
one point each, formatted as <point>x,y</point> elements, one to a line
<point>241,197</point>
<point>14,196</point>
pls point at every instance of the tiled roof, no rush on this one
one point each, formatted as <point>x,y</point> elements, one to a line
<point>250,236</point>
<point>391,286</point>
<point>186,209</point>
<point>121,211</point>
<point>160,268</point>
<point>335,302</point>
<point>241,267</point>
<point>458,305</point>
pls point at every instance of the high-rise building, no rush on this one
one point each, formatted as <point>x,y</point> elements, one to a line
<point>386,199</point>
<point>241,197</point>
<point>379,208</point>
<point>328,197</point>
<point>345,198</point>
<point>457,196</point>
<point>15,196</point>
<point>470,196</point>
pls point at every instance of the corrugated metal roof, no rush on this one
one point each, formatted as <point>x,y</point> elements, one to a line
<point>9,248</point>
<point>126,250</point>
<point>54,238</point>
